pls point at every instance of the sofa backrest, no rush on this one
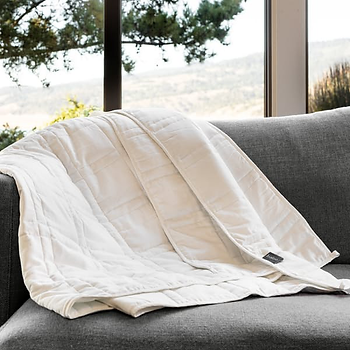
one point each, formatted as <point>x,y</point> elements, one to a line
<point>12,290</point>
<point>307,158</point>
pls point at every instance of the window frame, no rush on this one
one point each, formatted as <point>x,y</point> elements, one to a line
<point>286,57</point>
<point>281,34</point>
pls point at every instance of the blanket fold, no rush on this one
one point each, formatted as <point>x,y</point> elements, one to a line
<point>138,210</point>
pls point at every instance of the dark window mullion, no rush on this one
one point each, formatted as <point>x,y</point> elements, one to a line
<point>267,61</point>
<point>112,88</point>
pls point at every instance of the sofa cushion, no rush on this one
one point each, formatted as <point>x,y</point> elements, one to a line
<point>12,290</point>
<point>308,159</point>
<point>302,321</point>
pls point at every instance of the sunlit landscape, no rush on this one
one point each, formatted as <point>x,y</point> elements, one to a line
<point>229,85</point>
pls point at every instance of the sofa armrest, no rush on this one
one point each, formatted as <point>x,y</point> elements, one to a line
<point>12,290</point>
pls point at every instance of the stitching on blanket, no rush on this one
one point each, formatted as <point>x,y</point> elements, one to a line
<point>245,175</point>
<point>72,208</point>
<point>271,187</point>
<point>132,255</point>
<point>276,195</point>
<point>142,203</point>
<point>192,261</point>
<point>191,185</point>
<point>169,236</point>
<point>40,238</point>
<point>272,229</point>
<point>156,140</point>
<point>108,121</point>
<point>179,284</point>
<point>71,287</point>
<point>53,260</point>
<point>290,227</point>
<point>87,185</point>
<point>215,141</point>
<point>209,299</point>
<point>174,118</point>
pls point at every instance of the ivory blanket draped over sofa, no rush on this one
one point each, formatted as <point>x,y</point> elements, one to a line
<point>183,216</point>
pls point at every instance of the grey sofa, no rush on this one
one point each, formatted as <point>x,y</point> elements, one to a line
<point>308,159</point>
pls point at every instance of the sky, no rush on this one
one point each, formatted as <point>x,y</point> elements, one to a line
<point>327,21</point>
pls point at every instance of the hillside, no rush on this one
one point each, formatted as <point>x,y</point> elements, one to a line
<point>321,53</point>
<point>232,88</point>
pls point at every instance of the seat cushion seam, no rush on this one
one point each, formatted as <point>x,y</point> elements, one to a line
<point>8,282</point>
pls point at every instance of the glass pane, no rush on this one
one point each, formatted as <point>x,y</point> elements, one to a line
<point>41,95</point>
<point>329,54</point>
<point>228,85</point>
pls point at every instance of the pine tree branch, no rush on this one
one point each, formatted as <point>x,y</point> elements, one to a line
<point>29,10</point>
<point>150,43</point>
<point>34,52</point>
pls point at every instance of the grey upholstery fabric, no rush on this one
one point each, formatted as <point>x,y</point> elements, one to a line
<point>302,321</point>
<point>308,159</point>
<point>12,290</point>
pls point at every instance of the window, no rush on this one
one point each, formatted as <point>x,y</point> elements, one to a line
<point>329,54</point>
<point>32,104</point>
<point>229,85</point>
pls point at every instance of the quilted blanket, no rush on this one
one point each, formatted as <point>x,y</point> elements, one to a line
<point>144,209</point>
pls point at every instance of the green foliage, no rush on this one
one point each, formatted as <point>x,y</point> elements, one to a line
<point>10,135</point>
<point>34,32</point>
<point>333,90</point>
<point>162,22</point>
<point>76,109</point>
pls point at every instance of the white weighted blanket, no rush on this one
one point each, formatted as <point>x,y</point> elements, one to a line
<point>146,209</point>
